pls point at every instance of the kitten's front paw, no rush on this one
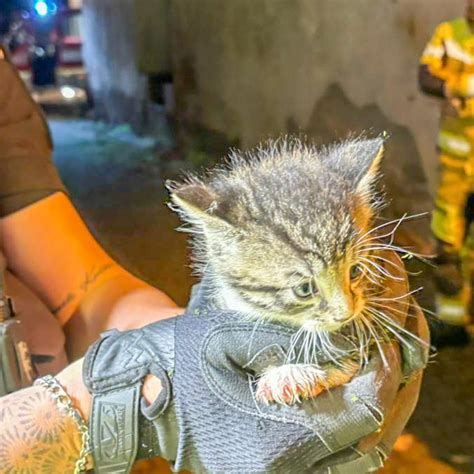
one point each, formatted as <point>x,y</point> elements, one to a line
<point>291,383</point>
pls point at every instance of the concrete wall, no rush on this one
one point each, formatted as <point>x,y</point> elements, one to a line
<point>118,89</point>
<point>124,41</point>
<point>255,68</point>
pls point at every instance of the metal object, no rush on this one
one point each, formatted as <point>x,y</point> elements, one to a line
<point>64,404</point>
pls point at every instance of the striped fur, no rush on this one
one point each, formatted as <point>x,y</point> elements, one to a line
<point>279,215</point>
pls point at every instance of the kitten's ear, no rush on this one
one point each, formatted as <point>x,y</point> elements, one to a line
<point>197,203</point>
<point>371,155</point>
<point>358,161</point>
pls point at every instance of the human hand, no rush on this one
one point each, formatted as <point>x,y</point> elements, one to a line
<point>211,419</point>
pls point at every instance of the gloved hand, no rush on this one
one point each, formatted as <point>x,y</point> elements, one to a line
<point>206,418</point>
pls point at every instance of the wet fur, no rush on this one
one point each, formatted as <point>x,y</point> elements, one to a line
<point>278,215</point>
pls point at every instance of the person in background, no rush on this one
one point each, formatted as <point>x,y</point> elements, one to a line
<point>447,71</point>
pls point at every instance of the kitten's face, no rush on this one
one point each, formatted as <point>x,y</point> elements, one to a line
<point>281,231</point>
<point>263,274</point>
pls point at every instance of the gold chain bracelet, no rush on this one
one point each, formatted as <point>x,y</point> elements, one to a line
<point>64,403</point>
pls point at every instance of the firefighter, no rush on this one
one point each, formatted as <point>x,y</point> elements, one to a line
<point>447,71</point>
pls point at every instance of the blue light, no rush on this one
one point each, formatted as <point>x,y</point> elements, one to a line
<point>41,8</point>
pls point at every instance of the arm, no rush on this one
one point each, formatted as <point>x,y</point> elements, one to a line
<point>432,73</point>
<point>86,289</point>
<point>434,78</point>
<point>45,241</point>
<point>324,418</point>
<point>37,437</point>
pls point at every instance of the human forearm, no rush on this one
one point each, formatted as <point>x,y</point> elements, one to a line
<point>37,437</point>
<point>83,286</point>
<point>435,82</point>
<point>123,303</point>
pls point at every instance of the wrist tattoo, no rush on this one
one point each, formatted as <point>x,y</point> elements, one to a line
<point>36,437</point>
<point>90,278</point>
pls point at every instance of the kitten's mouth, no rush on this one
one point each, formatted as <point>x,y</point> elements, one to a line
<point>313,325</point>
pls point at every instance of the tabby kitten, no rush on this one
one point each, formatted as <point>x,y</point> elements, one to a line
<point>278,232</point>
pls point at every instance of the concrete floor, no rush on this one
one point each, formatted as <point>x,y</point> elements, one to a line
<point>115,181</point>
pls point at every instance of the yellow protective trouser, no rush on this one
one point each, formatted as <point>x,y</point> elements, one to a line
<point>456,184</point>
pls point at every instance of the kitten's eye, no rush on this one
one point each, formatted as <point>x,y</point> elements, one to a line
<point>356,271</point>
<point>304,290</point>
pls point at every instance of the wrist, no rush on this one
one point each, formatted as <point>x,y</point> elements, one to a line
<point>71,380</point>
<point>73,418</point>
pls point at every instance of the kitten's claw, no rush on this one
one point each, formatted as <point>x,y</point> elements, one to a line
<point>291,383</point>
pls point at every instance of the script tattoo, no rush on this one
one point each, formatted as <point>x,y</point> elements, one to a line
<point>92,276</point>
<point>35,437</point>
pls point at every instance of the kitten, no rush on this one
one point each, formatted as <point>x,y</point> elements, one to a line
<point>279,232</point>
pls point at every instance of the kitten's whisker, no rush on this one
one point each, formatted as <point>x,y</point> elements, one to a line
<point>386,247</point>
<point>363,340</point>
<point>376,256</point>
<point>428,312</point>
<point>390,234</point>
<point>258,323</point>
<point>389,308</point>
<point>386,260</point>
<point>313,353</point>
<point>401,297</point>
<point>395,326</point>
<point>407,303</point>
<point>301,347</point>
<point>381,270</point>
<point>369,273</point>
<point>392,330</point>
<point>402,312</point>
<point>375,338</point>
<point>328,348</point>
<point>365,237</point>
<point>396,228</point>
<point>406,254</point>
<point>291,354</point>
<point>306,346</point>
<point>404,218</point>
<point>380,327</point>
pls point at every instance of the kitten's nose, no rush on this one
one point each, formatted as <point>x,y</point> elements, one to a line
<point>336,295</point>
<point>323,305</point>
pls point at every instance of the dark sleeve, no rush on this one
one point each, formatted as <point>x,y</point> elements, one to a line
<point>27,170</point>
<point>428,83</point>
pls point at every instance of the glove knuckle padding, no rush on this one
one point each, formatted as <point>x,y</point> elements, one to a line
<point>123,358</point>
